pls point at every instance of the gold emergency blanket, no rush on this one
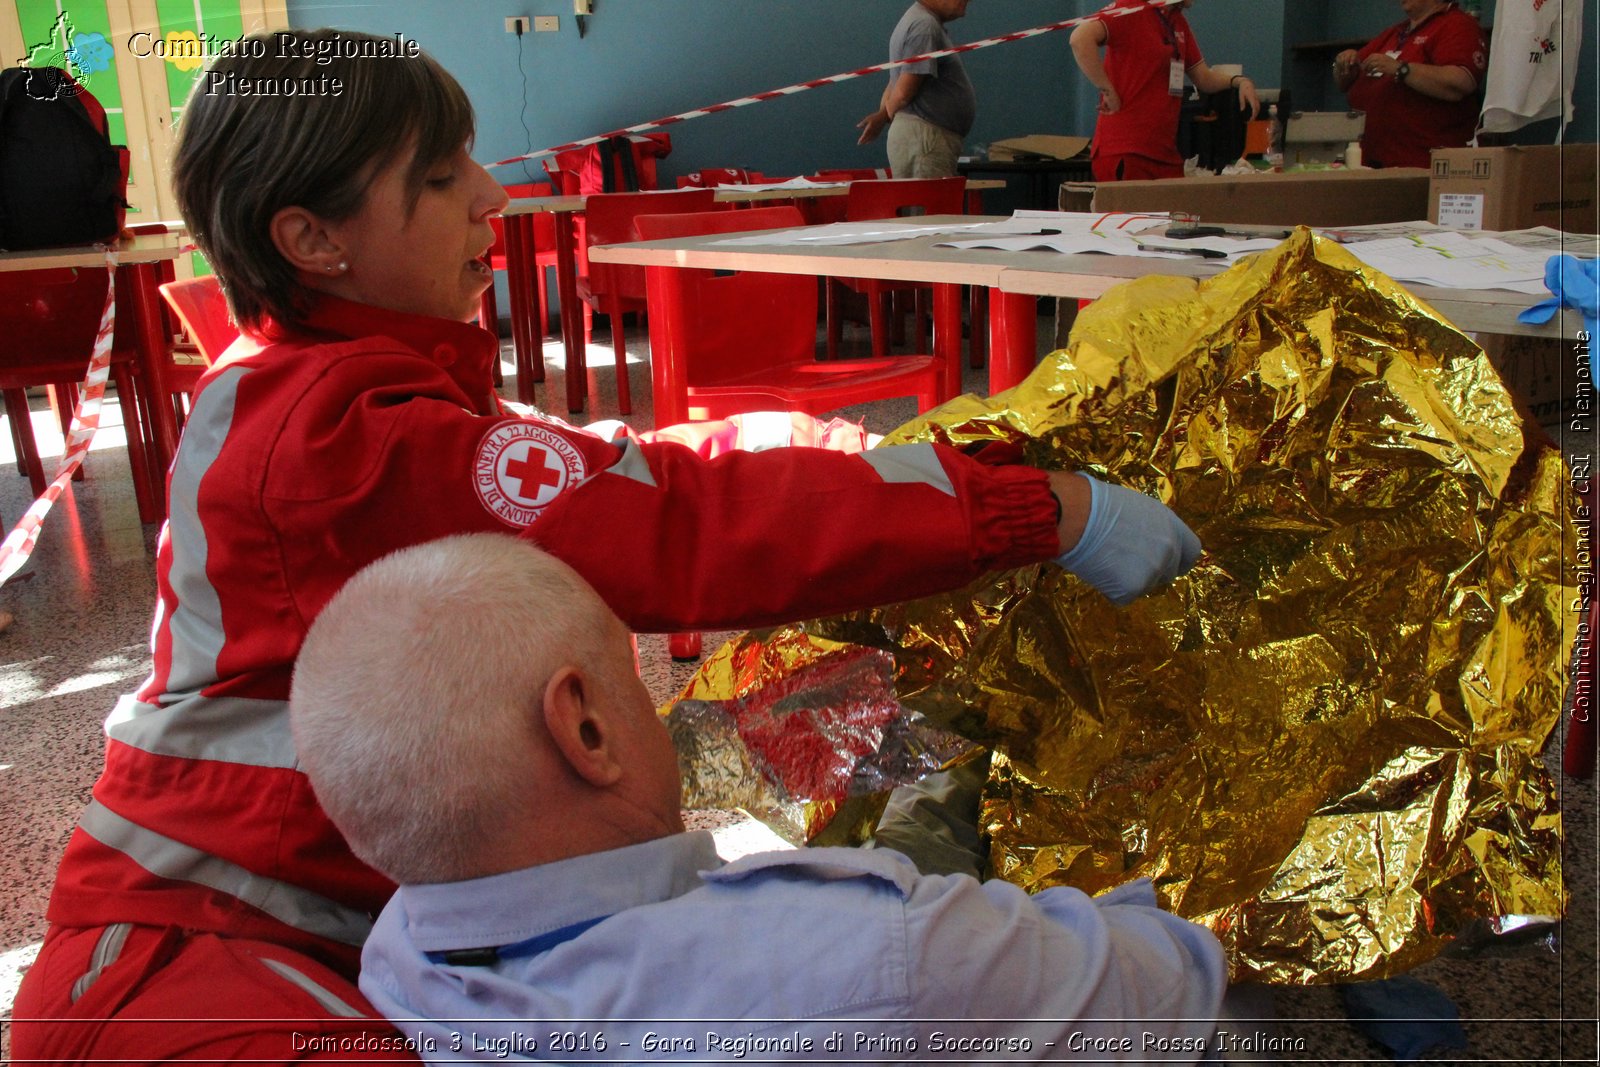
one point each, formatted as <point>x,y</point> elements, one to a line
<point>1323,742</point>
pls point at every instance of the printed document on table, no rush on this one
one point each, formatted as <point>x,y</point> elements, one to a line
<point>1122,244</point>
<point>1453,260</point>
<point>873,231</point>
<point>792,183</point>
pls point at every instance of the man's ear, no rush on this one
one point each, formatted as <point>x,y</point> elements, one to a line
<point>579,728</point>
<point>304,240</point>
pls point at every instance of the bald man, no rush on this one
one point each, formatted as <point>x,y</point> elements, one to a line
<point>468,714</point>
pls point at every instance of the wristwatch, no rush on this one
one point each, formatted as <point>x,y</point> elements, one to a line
<point>1402,72</point>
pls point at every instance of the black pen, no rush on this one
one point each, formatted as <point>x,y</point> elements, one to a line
<point>1203,253</point>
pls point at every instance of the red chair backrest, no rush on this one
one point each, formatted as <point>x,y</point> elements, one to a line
<point>711,177</point>
<point>706,325</point>
<point>850,174</point>
<point>831,208</point>
<point>582,171</point>
<point>48,323</point>
<point>905,196</point>
<point>544,224</point>
<point>608,220</point>
<point>203,309</point>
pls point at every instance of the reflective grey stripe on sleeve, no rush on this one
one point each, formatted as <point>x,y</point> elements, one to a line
<point>909,463</point>
<point>330,1002</point>
<point>196,623</point>
<point>632,464</point>
<point>106,951</point>
<point>166,858</point>
<point>227,729</point>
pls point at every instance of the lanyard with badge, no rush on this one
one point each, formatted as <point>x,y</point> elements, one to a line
<point>1175,67</point>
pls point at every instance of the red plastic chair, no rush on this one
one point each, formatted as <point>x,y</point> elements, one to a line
<point>583,171</point>
<point>48,323</point>
<point>894,198</point>
<point>202,310</point>
<point>721,344</point>
<point>825,209</point>
<point>614,289</point>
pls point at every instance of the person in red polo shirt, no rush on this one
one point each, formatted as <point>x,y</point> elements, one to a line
<point>1147,55</point>
<point>1418,83</point>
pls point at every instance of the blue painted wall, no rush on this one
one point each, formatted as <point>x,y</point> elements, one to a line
<point>644,59</point>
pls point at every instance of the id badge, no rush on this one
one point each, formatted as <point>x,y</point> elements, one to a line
<point>1175,78</point>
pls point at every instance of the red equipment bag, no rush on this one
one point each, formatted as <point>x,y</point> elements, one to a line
<point>615,165</point>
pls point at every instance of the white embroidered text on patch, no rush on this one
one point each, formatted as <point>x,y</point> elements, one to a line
<point>521,467</point>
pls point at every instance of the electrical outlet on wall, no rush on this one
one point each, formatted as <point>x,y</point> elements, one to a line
<point>517,24</point>
<point>546,24</point>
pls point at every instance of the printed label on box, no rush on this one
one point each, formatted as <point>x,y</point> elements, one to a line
<point>1461,211</point>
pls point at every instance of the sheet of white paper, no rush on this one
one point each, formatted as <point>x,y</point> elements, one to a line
<point>792,183</point>
<point>1120,244</point>
<point>847,233</point>
<point>1455,260</point>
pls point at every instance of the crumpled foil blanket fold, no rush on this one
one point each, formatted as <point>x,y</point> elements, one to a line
<point>1323,742</point>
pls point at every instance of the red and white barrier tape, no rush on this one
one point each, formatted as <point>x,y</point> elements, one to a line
<point>18,545</point>
<point>1114,10</point>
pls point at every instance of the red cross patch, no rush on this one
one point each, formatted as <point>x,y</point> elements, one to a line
<point>521,467</point>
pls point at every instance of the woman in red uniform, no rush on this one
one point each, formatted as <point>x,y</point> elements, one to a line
<point>326,177</point>
<point>1418,83</point>
<point>1148,53</point>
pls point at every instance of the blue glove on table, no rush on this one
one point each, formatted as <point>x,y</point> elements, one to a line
<point>1576,284</point>
<point>1131,543</point>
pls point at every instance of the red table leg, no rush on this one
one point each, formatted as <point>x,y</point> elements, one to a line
<point>1013,323</point>
<point>947,336</point>
<point>978,341</point>
<point>571,313</point>
<point>519,256</point>
<point>154,354</point>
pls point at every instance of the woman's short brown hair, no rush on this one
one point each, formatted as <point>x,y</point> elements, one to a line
<point>302,118</point>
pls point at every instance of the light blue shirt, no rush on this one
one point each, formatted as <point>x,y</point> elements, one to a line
<point>851,950</point>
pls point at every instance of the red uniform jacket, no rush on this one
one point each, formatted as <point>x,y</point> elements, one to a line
<point>307,458</point>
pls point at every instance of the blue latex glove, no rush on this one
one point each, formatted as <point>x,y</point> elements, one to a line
<point>1131,543</point>
<point>1576,284</point>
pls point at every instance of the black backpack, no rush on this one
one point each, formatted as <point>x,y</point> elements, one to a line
<point>61,179</point>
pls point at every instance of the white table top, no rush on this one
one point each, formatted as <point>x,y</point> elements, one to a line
<point>533,205</point>
<point>147,248</point>
<point>1036,273</point>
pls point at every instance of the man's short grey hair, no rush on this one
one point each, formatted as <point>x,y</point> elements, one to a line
<point>415,689</point>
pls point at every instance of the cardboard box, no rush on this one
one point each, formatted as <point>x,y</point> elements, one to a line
<point>1515,188</point>
<point>1291,198</point>
<point>1037,146</point>
<point>1542,375</point>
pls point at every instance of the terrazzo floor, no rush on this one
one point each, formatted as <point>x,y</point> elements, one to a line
<point>79,640</point>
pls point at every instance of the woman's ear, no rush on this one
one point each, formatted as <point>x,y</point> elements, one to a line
<point>579,728</point>
<point>306,243</point>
